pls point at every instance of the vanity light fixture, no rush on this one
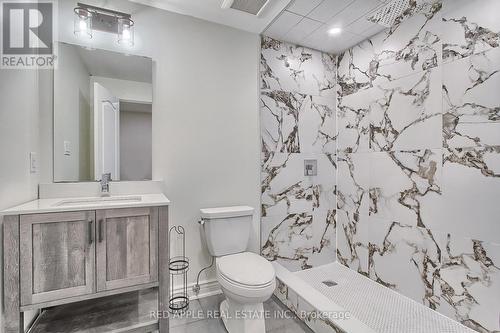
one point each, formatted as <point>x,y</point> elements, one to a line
<point>90,18</point>
<point>335,31</point>
<point>83,22</point>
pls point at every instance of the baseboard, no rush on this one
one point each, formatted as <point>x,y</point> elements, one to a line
<point>207,288</point>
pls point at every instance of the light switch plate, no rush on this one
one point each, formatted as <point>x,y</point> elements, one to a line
<point>67,148</point>
<point>33,162</point>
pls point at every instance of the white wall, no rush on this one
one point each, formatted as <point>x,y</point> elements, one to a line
<point>18,137</point>
<point>71,116</point>
<point>135,145</point>
<point>131,91</point>
<point>205,113</point>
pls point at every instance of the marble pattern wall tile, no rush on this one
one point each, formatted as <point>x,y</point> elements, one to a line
<point>352,241</point>
<point>298,212</point>
<point>295,68</point>
<point>393,115</point>
<point>469,27</point>
<point>412,45</point>
<point>471,112</point>
<point>406,186</point>
<point>403,109</point>
<point>295,122</point>
<point>405,258</point>
<point>418,151</point>
<point>469,280</point>
<point>298,122</point>
<point>471,189</point>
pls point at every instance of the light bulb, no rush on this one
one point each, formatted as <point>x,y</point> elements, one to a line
<point>83,25</point>
<point>126,34</point>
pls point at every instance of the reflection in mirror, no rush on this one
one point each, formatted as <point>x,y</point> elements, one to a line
<point>102,115</point>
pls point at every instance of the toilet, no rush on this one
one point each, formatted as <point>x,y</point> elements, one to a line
<point>246,279</point>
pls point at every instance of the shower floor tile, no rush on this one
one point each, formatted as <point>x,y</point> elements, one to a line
<point>380,308</point>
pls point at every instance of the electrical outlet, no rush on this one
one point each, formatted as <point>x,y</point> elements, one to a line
<point>33,162</point>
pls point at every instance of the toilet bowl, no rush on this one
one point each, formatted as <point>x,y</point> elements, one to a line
<point>246,279</point>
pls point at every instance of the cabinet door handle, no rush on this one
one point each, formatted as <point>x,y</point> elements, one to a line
<point>101,231</point>
<point>91,232</point>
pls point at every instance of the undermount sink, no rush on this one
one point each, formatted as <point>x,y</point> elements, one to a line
<point>97,201</point>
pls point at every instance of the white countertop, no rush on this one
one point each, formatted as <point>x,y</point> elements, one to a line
<point>55,205</point>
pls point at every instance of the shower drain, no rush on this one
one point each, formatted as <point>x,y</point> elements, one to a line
<point>330,283</point>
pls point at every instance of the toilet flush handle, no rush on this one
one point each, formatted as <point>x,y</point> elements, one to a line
<point>201,222</point>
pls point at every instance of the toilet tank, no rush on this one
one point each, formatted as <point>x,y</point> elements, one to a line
<point>227,229</point>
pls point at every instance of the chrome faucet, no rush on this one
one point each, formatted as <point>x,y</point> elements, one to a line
<point>106,178</point>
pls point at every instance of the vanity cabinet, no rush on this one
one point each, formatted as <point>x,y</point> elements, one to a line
<point>52,260</point>
<point>57,256</point>
<point>127,242</point>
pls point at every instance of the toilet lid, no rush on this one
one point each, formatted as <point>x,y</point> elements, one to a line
<point>246,268</point>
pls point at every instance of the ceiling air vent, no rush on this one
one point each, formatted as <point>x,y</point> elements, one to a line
<point>386,15</point>
<point>254,7</point>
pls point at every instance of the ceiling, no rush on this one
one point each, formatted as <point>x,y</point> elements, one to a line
<point>303,22</point>
<point>306,22</point>
<point>210,10</point>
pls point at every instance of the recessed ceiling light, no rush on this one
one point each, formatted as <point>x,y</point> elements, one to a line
<point>334,31</point>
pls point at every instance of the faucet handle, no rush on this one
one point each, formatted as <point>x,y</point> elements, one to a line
<point>106,177</point>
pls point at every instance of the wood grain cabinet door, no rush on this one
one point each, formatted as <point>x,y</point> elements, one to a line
<point>57,256</point>
<point>127,247</point>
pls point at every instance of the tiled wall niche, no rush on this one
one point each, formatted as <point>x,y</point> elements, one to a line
<point>419,159</point>
<point>297,124</point>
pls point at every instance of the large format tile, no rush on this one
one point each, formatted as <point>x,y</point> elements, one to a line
<point>352,241</point>
<point>294,122</point>
<point>469,26</point>
<point>298,212</point>
<point>471,187</point>
<point>296,69</point>
<point>470,282</point>
<point>406,186</point>
<point>404,109</point>
<point>353,172</point>
<point>410,46</point>
<point>405,258</point>
<point>353,121</point>
<point>471,112</point>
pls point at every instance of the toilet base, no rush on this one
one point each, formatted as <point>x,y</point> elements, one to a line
<point>243,318</point>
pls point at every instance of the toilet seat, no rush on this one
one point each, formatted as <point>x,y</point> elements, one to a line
<point>246,269</point>
<point>246,275</point>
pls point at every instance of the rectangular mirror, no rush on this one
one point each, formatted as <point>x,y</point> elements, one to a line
<point>102,115</point>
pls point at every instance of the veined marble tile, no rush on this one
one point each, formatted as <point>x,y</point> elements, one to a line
<point>298,212</point>
<point>410,46</point>
<point>296,69</point>
<point>280,120</point>
<point>413,43</point>
<point>470,283</point>
<point>469,26</point>
<point>405,258</point>
<point>294,122</point>
<point>471,112</point>
<point>352,241</point>
<point>471,188</point>
<point>353,121</point>
<point>403,110</point>
<point>406,186</point>
<point>353,171</point>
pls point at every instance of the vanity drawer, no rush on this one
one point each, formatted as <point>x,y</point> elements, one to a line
<point>57,256</point>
